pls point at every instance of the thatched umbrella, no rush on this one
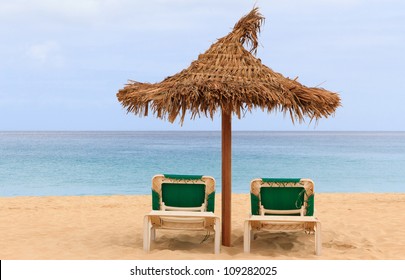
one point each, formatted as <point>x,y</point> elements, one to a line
<point>229,78</point>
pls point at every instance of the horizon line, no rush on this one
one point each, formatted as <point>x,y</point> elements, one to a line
<point>177,130</point>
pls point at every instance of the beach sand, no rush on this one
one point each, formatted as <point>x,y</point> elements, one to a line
<point>354,226</point>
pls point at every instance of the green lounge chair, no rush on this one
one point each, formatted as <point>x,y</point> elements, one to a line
<point>282,205</point>
<point>182,202</point>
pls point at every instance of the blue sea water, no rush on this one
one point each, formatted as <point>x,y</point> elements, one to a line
<point>105,163</point>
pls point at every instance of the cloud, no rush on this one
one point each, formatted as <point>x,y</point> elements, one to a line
<point>48,53</point>
<point>13,9</point>
<point>140,14</point>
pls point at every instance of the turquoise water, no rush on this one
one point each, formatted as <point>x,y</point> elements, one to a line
<point>105,163</point>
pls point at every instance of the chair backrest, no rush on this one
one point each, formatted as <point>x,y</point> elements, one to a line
<point>183,195</point>
<point>183,192</point>
<point>282,196</point>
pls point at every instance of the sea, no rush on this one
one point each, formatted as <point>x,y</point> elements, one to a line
<point>123,163</point>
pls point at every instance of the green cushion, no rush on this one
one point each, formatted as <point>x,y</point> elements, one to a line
<point>155,201</point>
<point>254,204</point>
<point>281,180</point>
<point>311,204</point>
<point>280,198</point>
<point>183,195</point>
<point>183,177</point>
<point>211,202</point>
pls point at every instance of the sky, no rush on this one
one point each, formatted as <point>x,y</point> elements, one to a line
<point>62,62</point>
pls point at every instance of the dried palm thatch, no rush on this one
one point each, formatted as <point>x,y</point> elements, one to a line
<point>229,77</point>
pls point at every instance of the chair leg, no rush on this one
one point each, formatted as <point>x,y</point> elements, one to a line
<point>247,237</point>
<point>318,239</point>
<point>217,237</point>
<point>153,234</point>
<point>147,227</point>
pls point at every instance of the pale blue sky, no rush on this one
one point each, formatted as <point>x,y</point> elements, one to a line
<point>62,62</point>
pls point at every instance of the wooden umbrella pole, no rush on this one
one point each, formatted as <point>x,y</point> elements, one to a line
<point>226,177</point>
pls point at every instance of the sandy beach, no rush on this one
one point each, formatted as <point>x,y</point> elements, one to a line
<point>354,226</point>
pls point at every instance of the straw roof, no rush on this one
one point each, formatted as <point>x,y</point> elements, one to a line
<point>228,77</point>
